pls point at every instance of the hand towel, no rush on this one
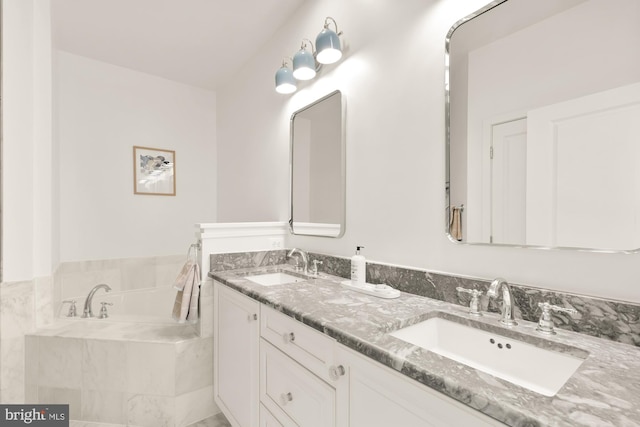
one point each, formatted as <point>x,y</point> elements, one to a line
<point>181,280</point>
<point>455,223</point>
<point>185,307</point>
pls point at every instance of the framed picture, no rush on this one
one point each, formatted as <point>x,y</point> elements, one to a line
<point>154,171</point>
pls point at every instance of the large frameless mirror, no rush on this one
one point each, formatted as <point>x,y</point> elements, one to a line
<point>543,125</point>
<point>318,168</point>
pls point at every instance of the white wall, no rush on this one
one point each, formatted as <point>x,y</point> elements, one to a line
<point>392,77</point>
<point>102,111</point>
<point>28,176</point>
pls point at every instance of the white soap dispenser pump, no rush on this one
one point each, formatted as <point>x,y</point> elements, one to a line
<point>358,268</point>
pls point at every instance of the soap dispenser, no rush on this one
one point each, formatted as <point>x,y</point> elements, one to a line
<point>358,268</point>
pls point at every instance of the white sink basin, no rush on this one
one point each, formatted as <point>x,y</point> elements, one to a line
<point>538,369</point>
<point>271,279</point>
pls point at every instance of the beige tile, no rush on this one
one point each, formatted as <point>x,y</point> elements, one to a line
<point>12,372</point>
<point>31,358</point>
<point>104,365</point>
<point>58,395</point>
<point>138,273</point>
<point>78,284</point>
<point>151,368</point>
<point>16,309</point>
<point>104,406</point>
<point>194,364</point>
<point>89,265</point>
<point>44,301</point>
<point>150,411</point>
<point>60,362</point>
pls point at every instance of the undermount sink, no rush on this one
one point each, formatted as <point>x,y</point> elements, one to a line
<point>271,279</point>
<point>538,369</point>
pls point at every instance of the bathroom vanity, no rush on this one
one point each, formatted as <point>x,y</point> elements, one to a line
<point>273,370</point>
<point>313,353</point>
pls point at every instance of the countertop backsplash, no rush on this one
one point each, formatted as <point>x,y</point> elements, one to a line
<point>614,320</point>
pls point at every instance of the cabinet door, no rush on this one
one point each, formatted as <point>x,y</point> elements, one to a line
<point>382,397</point>
<point>236,357</point>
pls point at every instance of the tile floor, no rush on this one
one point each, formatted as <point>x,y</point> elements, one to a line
<point>215,421</point>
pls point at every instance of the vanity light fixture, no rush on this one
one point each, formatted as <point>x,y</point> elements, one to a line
<point>328,43</point>
<point>304,62</point>
<point>285,82</point>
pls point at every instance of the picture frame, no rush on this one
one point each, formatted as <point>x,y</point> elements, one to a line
<point>154,171</point>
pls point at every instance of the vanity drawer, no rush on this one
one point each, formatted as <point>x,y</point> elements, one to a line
<point>288,389</point>
<point>311,348</point>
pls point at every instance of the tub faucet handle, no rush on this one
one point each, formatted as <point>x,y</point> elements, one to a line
<point>474,304</point>
<point>545,324</point>
<point>72,307</point>
<point>103,311</point>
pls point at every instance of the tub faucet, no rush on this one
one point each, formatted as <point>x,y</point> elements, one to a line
<point>87,303</point>
<point>303,255</point>
<point>507,318</point>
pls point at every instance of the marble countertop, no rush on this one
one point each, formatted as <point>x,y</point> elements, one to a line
<point>604,391</point>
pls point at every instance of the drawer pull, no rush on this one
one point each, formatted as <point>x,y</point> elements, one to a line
<point>252,317</point>
<point>285,398</point>
<point>335,372</point>
<point>288,337</point>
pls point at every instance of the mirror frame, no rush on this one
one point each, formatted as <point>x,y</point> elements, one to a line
<point>447,95</point>
<point>343,164</point>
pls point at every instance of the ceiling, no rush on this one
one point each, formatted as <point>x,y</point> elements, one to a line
<point>197,42</point>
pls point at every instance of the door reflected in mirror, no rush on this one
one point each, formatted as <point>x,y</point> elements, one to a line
<point>543,119</point>
<point>317,161</point>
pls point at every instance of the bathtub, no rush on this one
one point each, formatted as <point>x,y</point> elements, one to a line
<point>136,367</point>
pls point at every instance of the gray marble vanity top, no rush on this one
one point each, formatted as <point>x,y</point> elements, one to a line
<point>605,391</point>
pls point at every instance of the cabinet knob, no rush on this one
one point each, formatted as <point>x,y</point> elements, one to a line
<point>285,398</point>
<point>335,372</point>
<point>288,337</point>
<point>252,317</point>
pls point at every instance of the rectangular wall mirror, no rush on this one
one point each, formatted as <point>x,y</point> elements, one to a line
<point>317,162</point>
<point>543,125</point>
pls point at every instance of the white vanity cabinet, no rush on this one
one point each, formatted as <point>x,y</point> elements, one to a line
<point>236,355</point>
<point>271,370</point>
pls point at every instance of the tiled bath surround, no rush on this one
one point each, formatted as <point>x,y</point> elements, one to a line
<point>152,376</point>
<point>75,279</point>
<point>28,305</point>
<point>617,321</point>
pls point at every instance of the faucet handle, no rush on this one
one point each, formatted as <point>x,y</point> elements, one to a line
<point>103,311</point>
<point>545,324</point>
<point>315,267</point>
<point>474,304</point>
<point>72,307</point>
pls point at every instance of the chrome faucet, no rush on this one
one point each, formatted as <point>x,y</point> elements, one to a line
<point>507,317</point>
<point>88,312</point>
<point>303,255</point>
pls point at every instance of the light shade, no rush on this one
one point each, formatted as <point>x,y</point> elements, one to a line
<point>328,47</point>
<point>304,65</point>
<point>285,83</point>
